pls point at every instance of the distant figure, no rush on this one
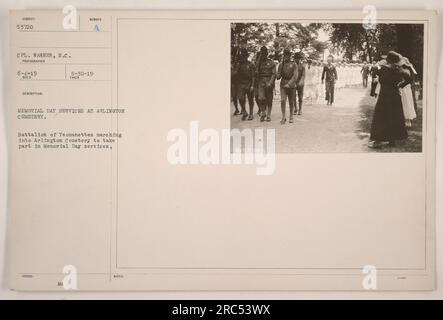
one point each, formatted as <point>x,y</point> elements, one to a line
<point>316,66</point>
<point>374,79</point>
<point>309,81</point>
<point>365,74</point>
<point>330,76</point>
<point>388,123</point>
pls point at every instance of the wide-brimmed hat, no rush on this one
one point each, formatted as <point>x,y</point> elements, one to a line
<point>405,62</point>
<point>298,55</point>
<point>393,57</point>
<point>264,50</point>
<point>286,52</point>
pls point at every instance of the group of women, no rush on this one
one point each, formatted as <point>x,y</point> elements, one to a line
<point>349,75</point>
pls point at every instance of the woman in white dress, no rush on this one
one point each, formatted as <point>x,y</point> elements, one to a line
<point>407,99</point>
<point>309,85</point>
<point>315,81</point>
<point>340,80</point>
<point>352,74</point>
<point>348,74</point>
<point>319,87</point>
<point>356,73</point>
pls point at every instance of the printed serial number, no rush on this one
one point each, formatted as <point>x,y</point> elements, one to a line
<point>225,309</point>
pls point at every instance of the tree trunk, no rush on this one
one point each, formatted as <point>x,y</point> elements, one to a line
<point>404,35</point>
<point>368,47</point>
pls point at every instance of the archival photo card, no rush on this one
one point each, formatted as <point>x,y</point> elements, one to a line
<point>222,150</point>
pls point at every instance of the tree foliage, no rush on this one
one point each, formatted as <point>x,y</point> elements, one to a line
<point>357,43</point>
<point>277,36</point>
<point>351,41</point>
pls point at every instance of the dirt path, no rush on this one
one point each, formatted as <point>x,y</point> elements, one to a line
<point>321,128</point>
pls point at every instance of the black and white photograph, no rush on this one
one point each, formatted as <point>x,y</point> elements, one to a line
<point>329,87</point>
<point>244,153</point>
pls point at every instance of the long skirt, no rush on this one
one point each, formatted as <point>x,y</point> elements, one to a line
<point>407,102</point>
<point>374,83</point>
<point>388,123</point>
<point>309,91</point>
<point>377,89</point>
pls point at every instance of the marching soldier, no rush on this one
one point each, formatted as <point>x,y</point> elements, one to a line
<point>265,84</point>
<point>329,76</point>
<point>287,72</point>
<point>245,81</point>
<point>256,61</point>
<point>300,83</point>
<point>234,80</point>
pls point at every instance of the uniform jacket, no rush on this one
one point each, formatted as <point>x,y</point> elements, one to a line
<point>301,75</point>
<point>244,73</point>
<point>266,71</point>
<point>329,73</point>
<point>288,72</point>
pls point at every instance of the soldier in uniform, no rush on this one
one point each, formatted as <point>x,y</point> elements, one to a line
<point>287,72</point>
<point>234,80</point>
<point>256,61</point>
<point>330,76</point>
<point>265,84</point>
<point>245,81</point>
<point>300,82</point>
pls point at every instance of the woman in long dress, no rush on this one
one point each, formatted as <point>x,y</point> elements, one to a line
<point>407,98</point>
<point>388,123</point>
